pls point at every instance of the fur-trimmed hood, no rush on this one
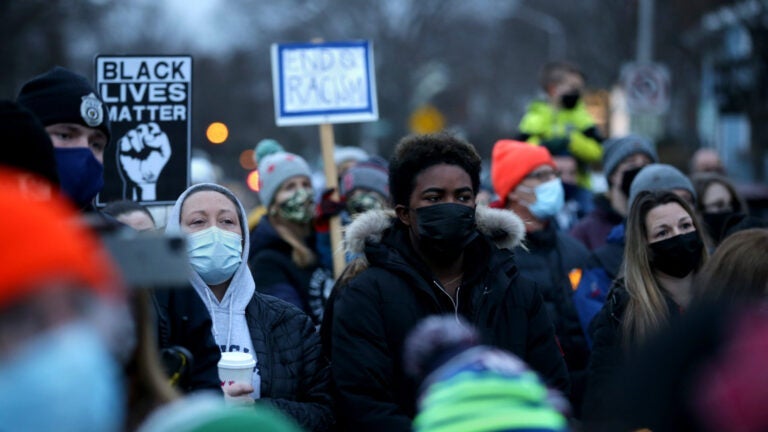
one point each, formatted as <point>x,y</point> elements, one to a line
<point>503,227</point>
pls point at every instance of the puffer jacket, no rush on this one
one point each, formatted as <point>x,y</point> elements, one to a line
<point>373,313</point>
<point>294,374</point>
<point>548,259</point>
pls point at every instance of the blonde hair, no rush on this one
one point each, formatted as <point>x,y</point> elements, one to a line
<point>646,309</point>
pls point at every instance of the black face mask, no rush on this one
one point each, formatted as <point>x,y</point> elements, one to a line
<point>570,99</point>
<point>627,178</point>
<point>677,256</point>
<point>716,223</point>
<point>445,230</point>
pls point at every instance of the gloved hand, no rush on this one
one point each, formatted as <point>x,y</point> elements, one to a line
<point>327,208</point>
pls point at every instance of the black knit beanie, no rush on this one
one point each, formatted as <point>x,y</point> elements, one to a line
<point>62,96</point>
<point>25,143</point>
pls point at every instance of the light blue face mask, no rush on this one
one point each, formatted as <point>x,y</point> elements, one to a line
<point>63,380</point>
<point>550,198</point>
<point>215,254</point>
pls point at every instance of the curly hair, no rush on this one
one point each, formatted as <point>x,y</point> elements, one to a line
<point>416,153</point>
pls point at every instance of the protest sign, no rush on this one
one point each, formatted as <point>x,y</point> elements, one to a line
<point>330,82</point>
<point>149,103</point>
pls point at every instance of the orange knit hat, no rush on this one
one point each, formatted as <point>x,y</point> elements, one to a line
<point>511,161</point>
<point>44,240</point>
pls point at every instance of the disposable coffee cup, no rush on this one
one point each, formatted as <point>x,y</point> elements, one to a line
<point>235,367</point>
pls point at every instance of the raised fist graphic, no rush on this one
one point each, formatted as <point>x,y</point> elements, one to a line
<point>142,154</point>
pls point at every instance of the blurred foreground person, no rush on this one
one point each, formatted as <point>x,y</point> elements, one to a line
<point>290,373</point>
<point>664,251</point>
<point>436,254</point>
<point>738,270</point>
<point>471,387</point>
<point>705,374</point>
<point>27,147</point>
<point>58,370</point>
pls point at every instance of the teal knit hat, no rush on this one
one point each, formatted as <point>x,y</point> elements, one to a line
<point>470,387</point>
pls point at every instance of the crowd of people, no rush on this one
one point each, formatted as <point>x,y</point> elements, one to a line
<point>551,308</point>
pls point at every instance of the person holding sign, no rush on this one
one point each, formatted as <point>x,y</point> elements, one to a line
<point>290,372</point>
<point>438,253</point>
<point>284,256</point>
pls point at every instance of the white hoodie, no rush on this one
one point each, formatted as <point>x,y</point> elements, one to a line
<point>230,329</point>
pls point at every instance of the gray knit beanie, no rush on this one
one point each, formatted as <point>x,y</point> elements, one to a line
<point>618,149</point>
<point>275,169</point>
<point>658,177</point>
<point>367,176</point>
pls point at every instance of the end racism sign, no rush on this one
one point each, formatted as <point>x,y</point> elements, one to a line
<point>332,82</point>
<point>149,103</point>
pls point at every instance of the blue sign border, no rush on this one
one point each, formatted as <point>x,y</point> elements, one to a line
<point>366,45</point>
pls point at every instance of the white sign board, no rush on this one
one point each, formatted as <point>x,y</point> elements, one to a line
<point>330,82</point>
<point>647,87</point>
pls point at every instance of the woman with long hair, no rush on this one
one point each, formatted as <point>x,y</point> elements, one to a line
<point>284,255</point>
<point>663,252</point>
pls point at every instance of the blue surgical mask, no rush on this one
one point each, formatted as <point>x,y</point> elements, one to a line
<point>80,174</point>
<point>63,380</point>
<point>215,254</point>
<point>550,198</point>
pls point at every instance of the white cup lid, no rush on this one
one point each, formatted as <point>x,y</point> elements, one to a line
<point>236,360</point>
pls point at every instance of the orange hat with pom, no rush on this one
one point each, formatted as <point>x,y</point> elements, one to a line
<point>511,161</point>
<point>44,240</point>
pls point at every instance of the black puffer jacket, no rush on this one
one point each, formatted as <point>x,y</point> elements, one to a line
<point>609,354</point>
<point>375,311</point>
<point>295,376</point>
<point>550,257</point>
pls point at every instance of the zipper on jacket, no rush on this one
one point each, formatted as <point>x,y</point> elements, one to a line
<point>454,303</point>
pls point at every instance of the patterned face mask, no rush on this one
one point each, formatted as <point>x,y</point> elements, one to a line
<point>361,203</point>
<point>298,208</point>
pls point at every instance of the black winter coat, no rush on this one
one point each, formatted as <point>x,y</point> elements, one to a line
<point>550,257</point>
<point>295,376</point>
<point>276,274</point>
<point>609,355</point>
<point>375,311</point>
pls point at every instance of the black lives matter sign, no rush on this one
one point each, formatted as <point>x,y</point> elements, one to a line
<point>149,103</point>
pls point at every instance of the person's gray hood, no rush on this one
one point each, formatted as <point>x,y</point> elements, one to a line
<point>242,286</point>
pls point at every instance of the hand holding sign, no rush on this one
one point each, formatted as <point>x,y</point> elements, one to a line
<point>143,153</point>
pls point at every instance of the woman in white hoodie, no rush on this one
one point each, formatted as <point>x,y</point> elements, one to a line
<point>291,372</point>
